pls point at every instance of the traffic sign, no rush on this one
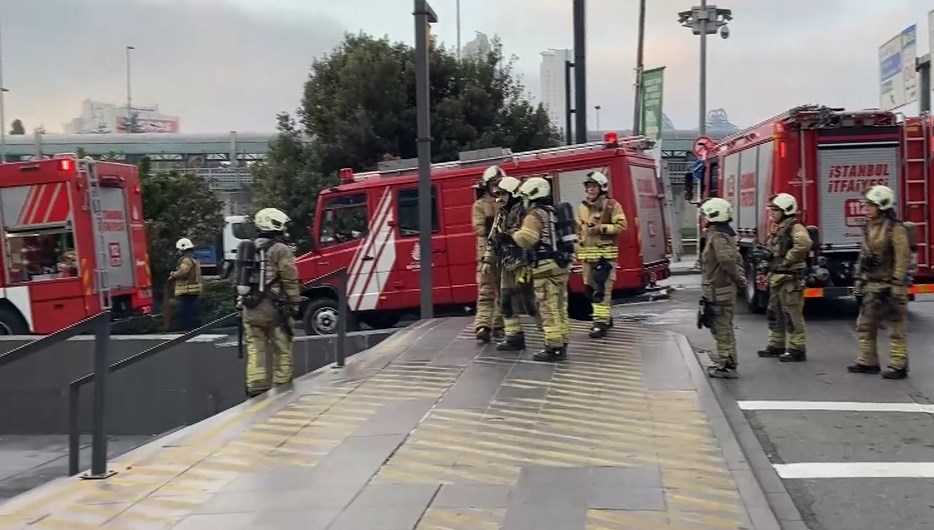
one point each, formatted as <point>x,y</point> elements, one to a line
<point>702,145</point>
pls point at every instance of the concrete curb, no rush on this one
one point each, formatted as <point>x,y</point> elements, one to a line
<point>763,492</point>
<point>684,272</point>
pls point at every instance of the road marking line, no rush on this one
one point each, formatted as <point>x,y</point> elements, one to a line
<point>845,406</point>
<point>808,470</point>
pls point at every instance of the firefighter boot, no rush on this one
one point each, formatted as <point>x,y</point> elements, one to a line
<point>793,355</point>
<point>550,355</point>
<point>771,351</point>
<point>598,330</point>
<point>724,371</point>
<point>895,373</point>
<point>512,343</point>
<point>858,368</point>
<point>255,392</point>
<point>499,333</point>
<point>483,334</point>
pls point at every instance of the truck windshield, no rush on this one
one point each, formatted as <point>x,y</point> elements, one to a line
<point>343,219</point>
<point>243,230</point>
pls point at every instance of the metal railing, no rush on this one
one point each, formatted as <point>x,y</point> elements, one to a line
<point>224,178</point>
<point>101,326</point>
<point>101,371</point>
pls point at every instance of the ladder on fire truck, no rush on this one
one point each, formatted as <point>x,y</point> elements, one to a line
<point>915,139</point>
<point>497,155</point>
<point>89,168</point>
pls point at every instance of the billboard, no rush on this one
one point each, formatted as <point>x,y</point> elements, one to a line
<point>898,78</point>
<point>148,125</point>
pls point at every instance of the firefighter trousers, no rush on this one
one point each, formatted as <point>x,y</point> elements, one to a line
<point>262,343</point>
<point>724,335</point>
<point>489,313</point>
<point>551,294</point>
<point>602,307</point>
<point>785,315</point>
<point>508,289</point>
<point>876,308</point>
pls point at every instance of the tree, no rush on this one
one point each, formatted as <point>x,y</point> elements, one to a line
<point>289,179</point>
<point>17,128</point>
<point>177,205</point>
<point>359,105</point>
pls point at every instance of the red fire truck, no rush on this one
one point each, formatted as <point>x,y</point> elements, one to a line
<point>74,243</point>
<point>368,224</point>
<point>825,157</point>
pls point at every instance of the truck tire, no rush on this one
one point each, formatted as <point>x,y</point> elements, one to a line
<point>12,323</point>
<point>756,300</point>
<point>321,317</point>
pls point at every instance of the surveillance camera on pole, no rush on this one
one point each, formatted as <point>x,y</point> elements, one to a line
<point>725,32</point>
<point>705,20</point>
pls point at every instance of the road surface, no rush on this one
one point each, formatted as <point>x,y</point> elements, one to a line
<point>865,459</point>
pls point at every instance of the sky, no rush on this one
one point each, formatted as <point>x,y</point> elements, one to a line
<point>223,65</point>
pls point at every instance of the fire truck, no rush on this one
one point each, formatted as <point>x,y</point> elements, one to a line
<point>74,243</point>
<point>368,225</point>
<point>826,158</point>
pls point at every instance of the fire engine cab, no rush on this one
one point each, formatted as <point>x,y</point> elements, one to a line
<point>368,224</point>
<point>826,158</point>
<point>74,243</point>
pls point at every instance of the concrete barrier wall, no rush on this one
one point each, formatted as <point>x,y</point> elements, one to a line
<point>177,387</point>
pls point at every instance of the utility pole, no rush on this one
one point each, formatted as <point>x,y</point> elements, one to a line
<point>424,17</point>
<point>458,30</point>
<point>580,71</point>
<point>568,111</point>
<point>705,20</point>
<point>128,127</point>
<point>3,92</point>
<point>640,48</point>
<point>597,108</point>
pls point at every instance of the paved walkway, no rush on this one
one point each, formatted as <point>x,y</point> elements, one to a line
<point>430,431</point>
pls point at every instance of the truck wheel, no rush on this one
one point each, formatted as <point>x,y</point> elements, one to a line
<point>321,317</point>
<point>11,323</point>
<point>756,300</point>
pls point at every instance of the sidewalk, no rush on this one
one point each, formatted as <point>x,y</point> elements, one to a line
<point>687,265</point>
<point>430,431</point>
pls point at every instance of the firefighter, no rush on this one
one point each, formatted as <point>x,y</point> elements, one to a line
<point>187,278</point>
<point>882,279</point>
<point>266,311</point>
<point>788,247</point>
<point>550,265</point>
<point>722,272</point>
<point>512,261</point>
<point>488,322</point>
<point>600,219</point>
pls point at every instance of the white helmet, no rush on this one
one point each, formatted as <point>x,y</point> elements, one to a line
<point>599,179</point>
<point>510,185</point>
<point>882,196</point>
<point>270,220</point>
<point>717,210</point>
<point>784,203</point>
<point>184,244</point>
<point>491,173</point>
<point>535,188</point>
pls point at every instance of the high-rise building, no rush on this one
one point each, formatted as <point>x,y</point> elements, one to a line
<point>553,86</point>
<point>478,47</point>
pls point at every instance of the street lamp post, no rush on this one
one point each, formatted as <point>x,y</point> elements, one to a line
<point>640,48</point>
<point>129,98</point>
<point>424,17</point>
<point>597,108</point>
<point>705,20</point>
<point>3,92</point>
<point>458,30</point>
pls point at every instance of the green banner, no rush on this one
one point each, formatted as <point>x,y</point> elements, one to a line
<point>652,91</point>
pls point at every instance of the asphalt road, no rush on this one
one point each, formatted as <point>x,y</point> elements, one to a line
<point>853,467</point>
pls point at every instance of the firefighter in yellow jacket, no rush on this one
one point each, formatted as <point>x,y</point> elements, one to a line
<point>187,278</point>
<point>266,310</point>
<point>549,266</point>
<point>788,246</point>
<point>489,320</point>
<point>600,219</point>
<point>882,280</point>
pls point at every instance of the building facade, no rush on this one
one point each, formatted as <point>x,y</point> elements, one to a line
<point>106,118</point>
<point>478,47</point>
<point>553,89</point>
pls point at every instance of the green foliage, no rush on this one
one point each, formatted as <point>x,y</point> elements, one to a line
<point>288,179</point>
<point>359,107</point>
<point>359,103</point>
<point>17,128</point>
<point>217,300</point>
<point>177,205</point>
<point>81,153</point>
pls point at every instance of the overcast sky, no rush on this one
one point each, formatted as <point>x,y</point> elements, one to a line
<point>232,64</point>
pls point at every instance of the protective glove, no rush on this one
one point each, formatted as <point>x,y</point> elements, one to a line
<point>485,268</point>
<point>504,238</point>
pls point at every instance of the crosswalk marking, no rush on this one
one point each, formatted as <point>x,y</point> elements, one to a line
<point>811,470</point>
<point>840,406</point>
